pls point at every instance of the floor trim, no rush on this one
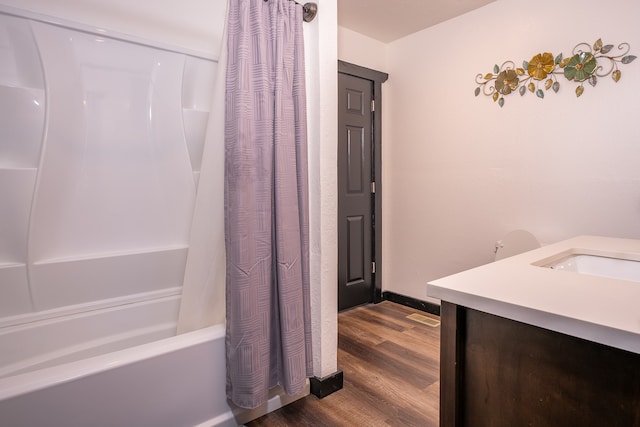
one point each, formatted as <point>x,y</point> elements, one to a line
<point>323,387</point>
<point>412,302</point>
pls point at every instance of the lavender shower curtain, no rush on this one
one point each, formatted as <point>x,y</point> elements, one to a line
<point>266,202</point>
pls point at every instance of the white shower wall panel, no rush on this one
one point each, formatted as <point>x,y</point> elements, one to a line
<point>197,86</point>
<point>21,125</point>
<point>16,191</point>
<point>22,118</point>
<point>15,298</point>
<point>19,60</point>
<point>61,283</point>
<point>101,140</point>
<point>197,91</point>
<point>116,172</point>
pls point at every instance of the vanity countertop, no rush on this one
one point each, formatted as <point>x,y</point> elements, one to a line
<point>596,308</point>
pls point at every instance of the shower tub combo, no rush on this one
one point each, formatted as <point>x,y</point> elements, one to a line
<point>100,151</point>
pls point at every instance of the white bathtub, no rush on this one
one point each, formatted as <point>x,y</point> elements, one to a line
<point>176,381</point>
<point>49,338</point>
<point>173,381</point>
<point>63,372</point>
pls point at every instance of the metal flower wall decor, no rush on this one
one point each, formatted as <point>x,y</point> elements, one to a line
<point>539,74</point>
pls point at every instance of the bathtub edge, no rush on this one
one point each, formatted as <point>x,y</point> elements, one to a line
<point>48,377</point>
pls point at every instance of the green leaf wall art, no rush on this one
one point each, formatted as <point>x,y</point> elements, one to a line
<point>587,63</point>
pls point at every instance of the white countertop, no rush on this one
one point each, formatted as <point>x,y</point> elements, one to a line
<point>595,308</point>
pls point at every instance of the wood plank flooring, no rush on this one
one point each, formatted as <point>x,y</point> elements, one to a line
<point>391,368</point>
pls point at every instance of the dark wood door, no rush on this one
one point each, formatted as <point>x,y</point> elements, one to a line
<point>355,177</point>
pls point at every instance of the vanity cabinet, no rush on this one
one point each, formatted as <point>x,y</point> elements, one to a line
<point>501,372</point>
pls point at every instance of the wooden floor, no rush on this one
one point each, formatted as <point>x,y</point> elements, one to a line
<point>391,374</point>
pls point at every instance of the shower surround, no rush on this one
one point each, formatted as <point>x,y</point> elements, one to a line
<point>101,139</point>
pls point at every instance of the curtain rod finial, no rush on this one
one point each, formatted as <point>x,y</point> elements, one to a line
<point>310,11</point>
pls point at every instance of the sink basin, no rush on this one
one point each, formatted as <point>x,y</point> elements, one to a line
<point>594,264</point>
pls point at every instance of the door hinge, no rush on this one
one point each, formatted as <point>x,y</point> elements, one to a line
<point>373,267</point>
<point>373,105</point>
<point>373,188</point>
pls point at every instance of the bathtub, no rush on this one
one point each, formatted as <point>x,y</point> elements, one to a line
<point>176,381</point>
<point>113,366</point>
<point>172,381</point>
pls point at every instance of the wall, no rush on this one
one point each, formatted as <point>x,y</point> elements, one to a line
<point>322,92</point>
<point>361,50</point>
<point>460,172</point>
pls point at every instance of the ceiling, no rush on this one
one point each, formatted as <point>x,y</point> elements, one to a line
<point>388,20</point>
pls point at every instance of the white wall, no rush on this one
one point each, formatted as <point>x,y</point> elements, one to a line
<point>361,50</point>
<point>460,172</point>
<point>322,92</point>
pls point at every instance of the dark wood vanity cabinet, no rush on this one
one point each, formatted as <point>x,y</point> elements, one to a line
<point>500,372</point>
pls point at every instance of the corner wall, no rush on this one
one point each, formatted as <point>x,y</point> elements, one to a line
<point>322,91</point>
<point>460,172</point>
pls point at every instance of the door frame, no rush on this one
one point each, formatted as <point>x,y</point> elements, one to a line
<point>377,78</point>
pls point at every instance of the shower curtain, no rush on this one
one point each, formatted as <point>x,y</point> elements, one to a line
<point>266,202</point>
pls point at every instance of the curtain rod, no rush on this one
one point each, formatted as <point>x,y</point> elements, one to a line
<point>309,10</point>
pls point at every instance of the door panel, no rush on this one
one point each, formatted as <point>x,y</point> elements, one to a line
<point>355,250</point>
<point>355,154</point>
<point>355,232</point>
